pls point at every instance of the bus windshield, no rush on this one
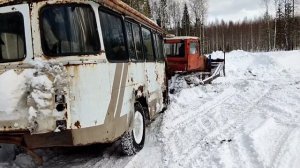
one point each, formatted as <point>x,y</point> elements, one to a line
<point>174,49</point>
<point>12,37</point>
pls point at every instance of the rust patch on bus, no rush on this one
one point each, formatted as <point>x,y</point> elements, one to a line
<point>141,88</point>
<point>77,124</point>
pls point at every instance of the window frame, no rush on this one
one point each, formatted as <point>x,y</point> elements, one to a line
<point>152,43</point>
<point>25,44</point>
<point>175,44</point>
<point>162,57</point>
<point>130,57</point>
<point>132,21</point>
<point>197,47</point>
<point>162,42</point>
<point>42,38</point>
<point>111,12</point>
<point>154,36</point>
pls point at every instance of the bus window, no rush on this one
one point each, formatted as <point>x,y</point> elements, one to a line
<point>12,37</point>
<point>194,48</point>
<point>130,41</point>
<point>138,41</point>
<point>113,36</point>
<point>69,30</point>
<point>148,45</point>
<point>175,49</point>
<point>159,41</point>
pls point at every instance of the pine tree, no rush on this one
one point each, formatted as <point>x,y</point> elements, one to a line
<point>280,35</point>
<point>163,13</point>
<point>146,9</point>
<point>185,22</point>
<point>288,25</point>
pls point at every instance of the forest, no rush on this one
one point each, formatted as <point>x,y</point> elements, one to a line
<point>269,32</point>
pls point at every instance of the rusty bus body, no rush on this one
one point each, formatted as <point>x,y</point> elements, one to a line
<point>183,54</point>
<point>111,57</point>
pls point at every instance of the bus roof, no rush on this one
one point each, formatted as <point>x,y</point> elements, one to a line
<point>182,38</point>
<point>116,5</point>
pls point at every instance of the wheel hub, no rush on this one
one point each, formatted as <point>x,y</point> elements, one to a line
<point>138,128</point>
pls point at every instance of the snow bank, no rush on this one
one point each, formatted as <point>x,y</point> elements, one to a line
<point>217,54</point>
<point>262,65</point>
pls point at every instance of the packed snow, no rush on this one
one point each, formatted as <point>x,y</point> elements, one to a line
<point>249,119</point>
<point>36,88</point>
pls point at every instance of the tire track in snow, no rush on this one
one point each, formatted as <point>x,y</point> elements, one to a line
<point>200,128</point>
<point>285,156</point>
<point>201,107</point>
<point>250,156</point>
<point>218,134</point>
<point>282,147</point>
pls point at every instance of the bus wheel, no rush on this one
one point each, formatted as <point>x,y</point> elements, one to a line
<point>133,141</point>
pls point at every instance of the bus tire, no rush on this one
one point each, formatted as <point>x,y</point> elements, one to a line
<point>133,141</point>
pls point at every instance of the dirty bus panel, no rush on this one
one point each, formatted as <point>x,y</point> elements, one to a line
<point>80,88</point>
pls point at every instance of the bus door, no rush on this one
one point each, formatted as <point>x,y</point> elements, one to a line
<point>15,51</point>
<point>150,70</point>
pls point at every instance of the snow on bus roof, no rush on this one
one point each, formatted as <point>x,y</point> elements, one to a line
<point>182,38</point>
<point>116,5</point>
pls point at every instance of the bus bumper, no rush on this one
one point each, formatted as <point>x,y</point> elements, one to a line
<point>35,141</point>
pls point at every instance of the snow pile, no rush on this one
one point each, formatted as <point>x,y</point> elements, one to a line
<point>217,55</point>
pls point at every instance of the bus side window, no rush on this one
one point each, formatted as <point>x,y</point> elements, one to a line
<point>154,37</point>
<point>160,48</point>
<point>12,37</point>
<point>130,41</point>
<point>148,45</point>
<point>69,30</point>
<point>113,36</point>
<point>138,41</point>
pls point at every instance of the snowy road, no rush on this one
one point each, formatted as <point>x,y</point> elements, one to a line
<point>249,119</point>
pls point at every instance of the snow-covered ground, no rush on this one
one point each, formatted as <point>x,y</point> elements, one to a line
<point>249,119</point>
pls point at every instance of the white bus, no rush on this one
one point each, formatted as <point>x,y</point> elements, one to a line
<point>75,73</point>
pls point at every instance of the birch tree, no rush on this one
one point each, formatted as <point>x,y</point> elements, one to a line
<point>175,15</point>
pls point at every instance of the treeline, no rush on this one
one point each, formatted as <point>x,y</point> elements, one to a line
<point>188,18</point>
<point>252,36</point>
<point>182,18</point>
<point>267,33</point>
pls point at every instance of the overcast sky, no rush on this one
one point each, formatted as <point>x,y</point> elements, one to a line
<point>236,10</point>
